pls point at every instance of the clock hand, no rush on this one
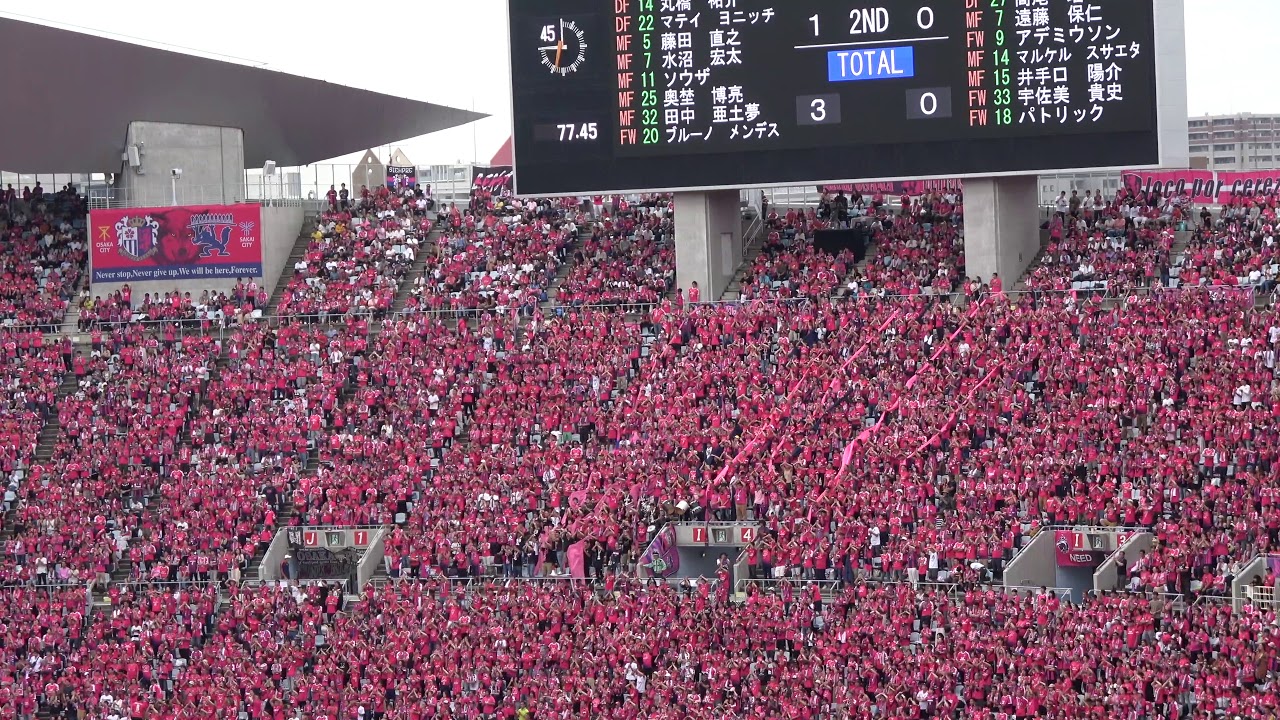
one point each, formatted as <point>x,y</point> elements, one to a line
<point>560,43</point>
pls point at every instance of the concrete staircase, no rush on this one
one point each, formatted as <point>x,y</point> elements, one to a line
<point>429,247</point>
<point>288,273</point>
<point>562,272</point>
<point>1181,240</point>
<point>53,426</point>
<point>46,441</point>
<point>285,513</point>
<point>70,323</point>
<point>754,246</point>
<point>1021,285</point>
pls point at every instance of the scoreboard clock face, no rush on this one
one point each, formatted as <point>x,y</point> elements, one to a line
<point>568,49</point>
<point>628,95</point>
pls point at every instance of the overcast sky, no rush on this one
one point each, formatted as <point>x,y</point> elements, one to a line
<point>453,52</point>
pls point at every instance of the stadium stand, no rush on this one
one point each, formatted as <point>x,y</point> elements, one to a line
<point>496,256</point>
<point>211,308</point>
<point>357,257</point>
<point>120,434</point>
<point>899,430</point>
<point>629,258</point>
<point>43,257</point>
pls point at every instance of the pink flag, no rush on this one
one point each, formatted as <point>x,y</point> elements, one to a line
<point>846,457</point>
<point>724,472</point>
<point>925,368</point>
<point>577,498</point>
<point>577,560</point>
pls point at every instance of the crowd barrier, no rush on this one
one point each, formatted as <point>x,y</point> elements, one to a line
<point>223,327</point>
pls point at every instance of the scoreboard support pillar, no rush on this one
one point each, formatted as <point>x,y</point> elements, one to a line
<point>708,240</point>
<point>1002,227</point>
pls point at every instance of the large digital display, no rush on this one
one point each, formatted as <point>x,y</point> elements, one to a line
<point>628,95</point>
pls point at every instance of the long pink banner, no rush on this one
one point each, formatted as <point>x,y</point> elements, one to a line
<point>898,187</point>
<point>1204,186</point>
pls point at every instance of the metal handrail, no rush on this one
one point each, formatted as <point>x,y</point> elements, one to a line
<point>1095,528</point>
<point>183,327</point>
<point>325,528</point>
<point>754,235</point>
<point>382,581</point>
<point>741,585</point>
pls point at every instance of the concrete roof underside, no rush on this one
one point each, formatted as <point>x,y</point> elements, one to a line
<point>73,113</point>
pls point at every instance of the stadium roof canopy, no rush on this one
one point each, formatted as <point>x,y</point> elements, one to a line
<point>70,112</point>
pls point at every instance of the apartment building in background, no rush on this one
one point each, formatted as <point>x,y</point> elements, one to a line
<point>1246,141</point>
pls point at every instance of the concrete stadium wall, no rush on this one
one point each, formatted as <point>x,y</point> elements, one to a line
<point>1002,227</point>
<point>1171,82</point>
<point>1035,566</point>
<point>1105,578</point>
<point>708,240</point>
<point>281,227</point>
<point>211,160</point>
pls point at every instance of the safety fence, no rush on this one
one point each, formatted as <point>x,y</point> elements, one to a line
<point>217,324</point>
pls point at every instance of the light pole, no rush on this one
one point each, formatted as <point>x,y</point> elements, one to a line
<point>174,176</point>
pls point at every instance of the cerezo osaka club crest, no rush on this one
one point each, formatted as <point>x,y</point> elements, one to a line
<point>138,236</point>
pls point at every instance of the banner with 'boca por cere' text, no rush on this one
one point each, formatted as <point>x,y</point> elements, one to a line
<point>1204,186</point>
<point>176,243</point>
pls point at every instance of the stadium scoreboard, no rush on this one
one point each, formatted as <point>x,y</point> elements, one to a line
<point>622,95</point>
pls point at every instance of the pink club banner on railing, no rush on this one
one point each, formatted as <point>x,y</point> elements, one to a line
<point>1204,186</point>
<point>176,243</point>
<point>898,187</point>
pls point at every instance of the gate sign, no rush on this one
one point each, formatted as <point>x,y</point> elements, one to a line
<point>700,534</point>
<point>360,538</point>
<point>176,243</point>
<point>311,538</point>
<point>747,535</point>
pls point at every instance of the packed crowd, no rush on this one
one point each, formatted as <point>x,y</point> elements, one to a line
<point>30,373</point>
<point>498,255</point>
<point>120,439</point>
<point>880,428</point>
<point>252,440</point>
<point>43,255</point>
<point>628,260</point>
<point>1236,248</point>
<point>1127,243</point>
<point>1103,251</point>
<point>557,650</point>
<point>916,247</point>
<point>357,256</point>
<point>211,308</point>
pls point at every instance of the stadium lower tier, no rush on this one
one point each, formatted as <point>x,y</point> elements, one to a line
<point>556,650</point>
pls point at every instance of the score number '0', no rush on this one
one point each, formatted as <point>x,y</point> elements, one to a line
<point>931,103</point>
<point>875,20</point>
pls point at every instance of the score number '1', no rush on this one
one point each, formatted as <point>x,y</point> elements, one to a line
<point>875,20</point>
